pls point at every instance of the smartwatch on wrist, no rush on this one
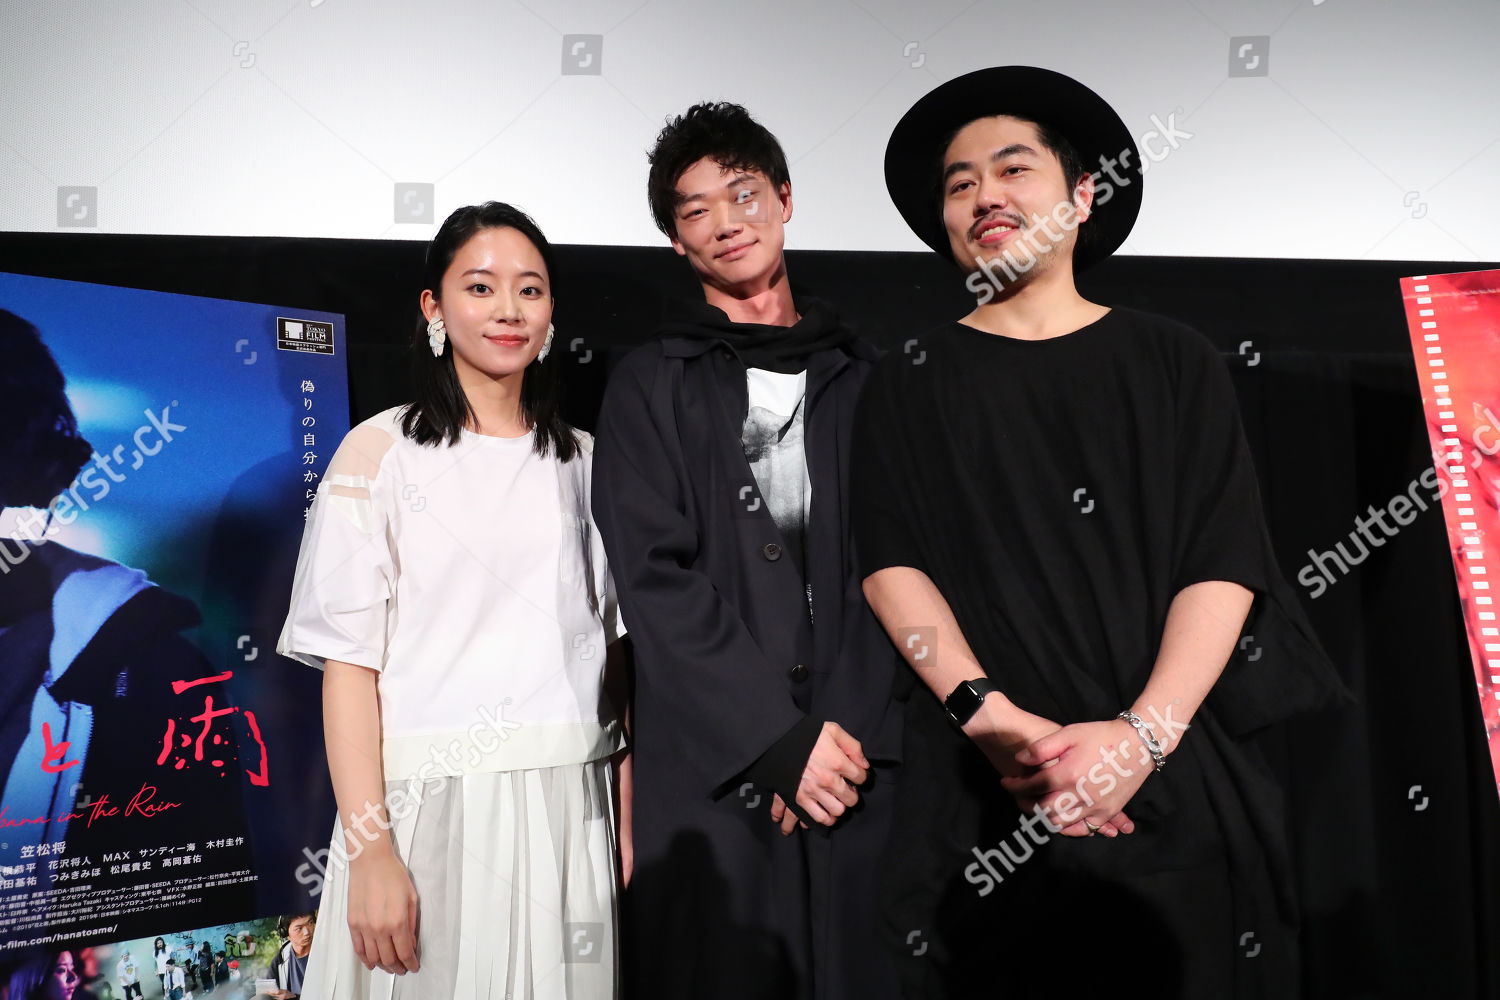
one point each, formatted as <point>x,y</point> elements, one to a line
<point>966,699</point>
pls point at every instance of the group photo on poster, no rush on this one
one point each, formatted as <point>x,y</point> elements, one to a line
<point>232,961</point>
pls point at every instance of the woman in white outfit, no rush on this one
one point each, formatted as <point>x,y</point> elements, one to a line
<point>453,588</point>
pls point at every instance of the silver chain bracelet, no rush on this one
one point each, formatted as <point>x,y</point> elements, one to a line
<point>1148,736</point>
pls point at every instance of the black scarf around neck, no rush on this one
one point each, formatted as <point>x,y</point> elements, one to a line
<point>759,345</point>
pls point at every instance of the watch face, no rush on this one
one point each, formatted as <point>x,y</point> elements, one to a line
<point>963,703</point>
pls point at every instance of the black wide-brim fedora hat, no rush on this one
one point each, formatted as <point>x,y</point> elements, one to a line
<point>913,157</point>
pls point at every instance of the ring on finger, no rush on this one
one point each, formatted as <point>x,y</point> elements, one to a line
<point>1092,828</point>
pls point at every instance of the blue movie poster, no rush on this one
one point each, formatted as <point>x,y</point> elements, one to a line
<point>163,769</point>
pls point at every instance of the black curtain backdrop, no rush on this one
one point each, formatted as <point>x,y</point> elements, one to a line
<point>1398,901</point>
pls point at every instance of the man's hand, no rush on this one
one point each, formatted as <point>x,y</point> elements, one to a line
<point>1007,735</point>
<point>834,767</point>
<point>784,816</point>
<point>1097,759</point>
<point>1001,731</point>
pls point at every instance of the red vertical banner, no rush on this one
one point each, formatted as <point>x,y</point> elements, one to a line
<point>1455,334</point>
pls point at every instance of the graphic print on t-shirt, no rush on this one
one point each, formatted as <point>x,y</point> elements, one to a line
<point>772,440</point>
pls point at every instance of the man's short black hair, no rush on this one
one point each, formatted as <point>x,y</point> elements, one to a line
<point>722,132</point>
<point>1074,169</point>
<point>284,923</point>
<point>41,449</point>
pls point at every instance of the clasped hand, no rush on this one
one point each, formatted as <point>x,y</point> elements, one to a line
<point>837,764</point>
<point>1081,776</point>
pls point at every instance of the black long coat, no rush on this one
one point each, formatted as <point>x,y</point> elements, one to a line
<point>726,662</point>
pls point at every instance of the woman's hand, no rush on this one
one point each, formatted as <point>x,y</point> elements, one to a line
<point>1082,774</point>
<point>383,912</point>
<point>382,900</point>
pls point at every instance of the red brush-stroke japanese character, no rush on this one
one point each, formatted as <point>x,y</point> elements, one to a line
<point>52,759</point>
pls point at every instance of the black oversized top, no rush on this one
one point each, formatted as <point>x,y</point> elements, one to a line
<point>1059,493</point>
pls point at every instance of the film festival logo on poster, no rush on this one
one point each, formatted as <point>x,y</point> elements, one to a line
<point>308,336</point>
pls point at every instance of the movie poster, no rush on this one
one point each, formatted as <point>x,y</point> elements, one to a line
<point>163,769</point>
<point>1455,332</point>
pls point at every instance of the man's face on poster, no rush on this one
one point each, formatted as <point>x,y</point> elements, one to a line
<point>301,933</point>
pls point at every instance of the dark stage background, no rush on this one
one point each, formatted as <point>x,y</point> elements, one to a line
<point>1399,901</point>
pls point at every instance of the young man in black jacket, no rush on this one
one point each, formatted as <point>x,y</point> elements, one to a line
<point>764,736</point>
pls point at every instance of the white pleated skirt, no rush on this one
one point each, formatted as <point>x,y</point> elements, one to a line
<point>516,882</point>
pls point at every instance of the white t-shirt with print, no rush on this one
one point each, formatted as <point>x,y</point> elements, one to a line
<point>774,447</point>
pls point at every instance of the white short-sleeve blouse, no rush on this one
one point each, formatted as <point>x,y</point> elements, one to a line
<point>472,578</point>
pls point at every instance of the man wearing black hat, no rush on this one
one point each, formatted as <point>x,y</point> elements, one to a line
<point>1059,526</point>
<point>764,737</point>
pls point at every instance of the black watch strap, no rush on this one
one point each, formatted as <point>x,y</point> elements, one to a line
<point>966,699</point>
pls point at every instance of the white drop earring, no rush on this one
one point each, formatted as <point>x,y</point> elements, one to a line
<point>546,344</point>
<point>437,333</point>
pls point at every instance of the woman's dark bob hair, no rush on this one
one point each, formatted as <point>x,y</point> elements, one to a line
<point>439,412</point>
